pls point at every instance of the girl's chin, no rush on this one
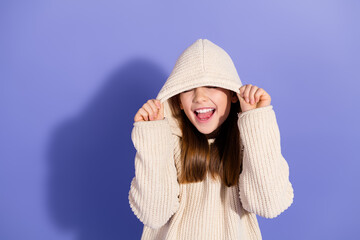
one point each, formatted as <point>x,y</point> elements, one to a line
<point>206,131</point>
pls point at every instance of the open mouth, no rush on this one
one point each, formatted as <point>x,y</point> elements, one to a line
<point>205,115</point>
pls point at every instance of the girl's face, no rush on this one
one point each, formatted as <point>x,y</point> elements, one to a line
<point>217,100</point>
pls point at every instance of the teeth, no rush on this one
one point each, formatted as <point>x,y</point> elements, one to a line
<point>204,110</point>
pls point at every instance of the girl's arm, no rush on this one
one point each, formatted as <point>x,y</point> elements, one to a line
<point>154,190</point>
<point>264,183</point>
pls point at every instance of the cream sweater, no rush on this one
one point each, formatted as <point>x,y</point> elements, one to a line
<point>208,209</point>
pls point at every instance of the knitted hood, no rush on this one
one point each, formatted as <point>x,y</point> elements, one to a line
<point>203,63</point>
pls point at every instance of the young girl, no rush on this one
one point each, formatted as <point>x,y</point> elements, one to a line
<point>208,154</point>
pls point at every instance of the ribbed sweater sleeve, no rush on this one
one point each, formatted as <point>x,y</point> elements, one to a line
<point>264,185</point>
<point>154,190</point>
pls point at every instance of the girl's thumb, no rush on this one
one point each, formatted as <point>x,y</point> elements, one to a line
<point>158,104</point>
<point>161,109</point>
<point>241,99</point>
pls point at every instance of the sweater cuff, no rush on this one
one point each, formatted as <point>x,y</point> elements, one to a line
<point>259,126</point>
<point>256,110</point>
<point>152,137</point>
<point>155,123</point>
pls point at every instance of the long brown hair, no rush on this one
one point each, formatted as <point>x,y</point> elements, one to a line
<point>223,158</point>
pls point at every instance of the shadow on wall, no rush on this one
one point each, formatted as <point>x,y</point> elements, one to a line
<point>90,158</point>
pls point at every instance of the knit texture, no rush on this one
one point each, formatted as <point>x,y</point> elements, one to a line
<point>208,209</point>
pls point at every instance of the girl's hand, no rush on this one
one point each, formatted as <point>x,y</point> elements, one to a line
<point>252,97</point>
<point>152,110</point>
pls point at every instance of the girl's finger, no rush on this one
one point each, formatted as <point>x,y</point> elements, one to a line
<point>246,92</point>
<point>252,93</point>
<point>144,114</point>
<point>149,110</point>
<point>153,107</point>
<point>258,94</point>
<point>138,117</point>
<point>242,89</point>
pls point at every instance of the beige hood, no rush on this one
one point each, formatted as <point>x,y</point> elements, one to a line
<point>203,63</point>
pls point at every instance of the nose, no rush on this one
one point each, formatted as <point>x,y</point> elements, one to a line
<point>200,94</point>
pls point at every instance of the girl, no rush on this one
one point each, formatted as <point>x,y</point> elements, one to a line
<point>208,154</point>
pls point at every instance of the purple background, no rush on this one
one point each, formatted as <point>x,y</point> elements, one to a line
<point>74,73</point>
